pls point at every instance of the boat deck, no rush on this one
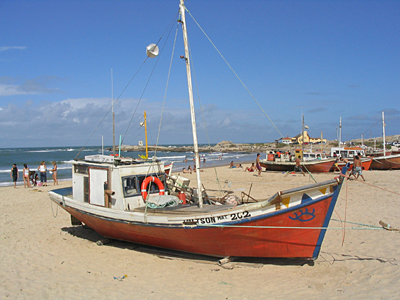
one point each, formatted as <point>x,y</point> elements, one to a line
<point>187,209</point>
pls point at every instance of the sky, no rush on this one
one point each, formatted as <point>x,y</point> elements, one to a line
<point>61,63</point>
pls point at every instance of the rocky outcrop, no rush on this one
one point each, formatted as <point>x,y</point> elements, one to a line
<point>224,146</point>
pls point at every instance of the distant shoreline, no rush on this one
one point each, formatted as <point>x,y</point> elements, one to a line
<point>228,146</point>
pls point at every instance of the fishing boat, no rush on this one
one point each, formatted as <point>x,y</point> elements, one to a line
<point>385,161</point>
<point>278,161</point>
<point>135,201</point>
<point>349,153</point>
<point>365,164</point>
<point>313,166</point>
<point>286,162</point>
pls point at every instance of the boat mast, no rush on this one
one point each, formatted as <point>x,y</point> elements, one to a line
<point>322,146</point>
<point>145,133</point>
<point>112,107</point>
<point>192,112</point>
<point>383,133</point>
<point>340,133</point>
<point>302,133</point>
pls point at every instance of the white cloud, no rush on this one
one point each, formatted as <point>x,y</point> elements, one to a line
<point>5,48</point>
<point>73,121</point>
<point>11,90</point>
<point>36,86</point>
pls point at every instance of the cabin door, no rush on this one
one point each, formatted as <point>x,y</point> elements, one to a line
<point>97,177</point>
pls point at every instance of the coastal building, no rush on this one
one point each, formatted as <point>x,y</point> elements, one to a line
<point>287,140</point>
<point>298,139</point>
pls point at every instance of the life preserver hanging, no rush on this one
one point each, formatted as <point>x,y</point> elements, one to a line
<point>146,182</point>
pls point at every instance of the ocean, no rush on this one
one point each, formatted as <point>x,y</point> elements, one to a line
<point>64,156</point>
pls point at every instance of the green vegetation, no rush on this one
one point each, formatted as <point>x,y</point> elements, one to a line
<point>369,143</point>
<point>280,145</point>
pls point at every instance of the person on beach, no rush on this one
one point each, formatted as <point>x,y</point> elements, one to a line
<point>190,169</point>
<point>14,175</point>
<point>297,167</point>
<point>194,169</point>
<point>335,164</point>
<point>43,173</point>
<point>357,167</point>
<point>54,170</point>
<point>186,171</point>
<point>25,174</point>
<point>35,182</point>
<point>232,165</point>
<point>252,168</point>
<point>346,161</point>
<point>258,166</point>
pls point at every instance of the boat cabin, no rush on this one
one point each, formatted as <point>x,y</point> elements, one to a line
<point>347,152</point>
<point>115,182</point>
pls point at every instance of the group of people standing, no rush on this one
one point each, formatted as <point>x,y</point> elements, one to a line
<point>31,176</point>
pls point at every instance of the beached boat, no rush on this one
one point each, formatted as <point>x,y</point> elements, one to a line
<point>385,161</point>
<point>135,201</point>
<point>347,152</point>
<point>313,166</point>
<point>285,162</point>
<point>365,164</point>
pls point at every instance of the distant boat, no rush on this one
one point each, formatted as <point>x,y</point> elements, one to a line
<point>365,164</point>
<point>385,161</point>
<point>284,162</point>
<point>313,166</point>
<point>135,201</point>
<point>347,152</point>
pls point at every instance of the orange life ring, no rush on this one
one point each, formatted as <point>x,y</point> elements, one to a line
<point>146,182</point>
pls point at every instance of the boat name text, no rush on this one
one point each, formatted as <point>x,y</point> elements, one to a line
<point>210,220</point>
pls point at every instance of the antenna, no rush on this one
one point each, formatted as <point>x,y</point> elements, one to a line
<point>152,50</point>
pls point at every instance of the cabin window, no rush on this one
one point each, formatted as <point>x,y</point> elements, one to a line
<point>86,189</point>
<point>132,184</point>
<point>81,169</point>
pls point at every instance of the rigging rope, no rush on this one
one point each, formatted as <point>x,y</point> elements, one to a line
<point>198,98</point>
<point>202,115</point>
<point>147,83</point>
<point>345,214</point>
<point>288,227</point>
<point>375,186</point>
<point>237,76</point>
<point>368,129</point>
<point>166,89</point>
<point>115,101</point>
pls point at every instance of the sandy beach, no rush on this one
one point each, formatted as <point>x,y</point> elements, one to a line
<point>44,257</point>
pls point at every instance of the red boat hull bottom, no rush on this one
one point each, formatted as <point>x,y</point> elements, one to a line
<point>386,163</point>
<point>228,241</point>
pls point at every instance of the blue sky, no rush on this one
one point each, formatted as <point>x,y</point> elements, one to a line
<point>325,59</point>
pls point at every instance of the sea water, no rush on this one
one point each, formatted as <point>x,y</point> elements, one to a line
<point>64,156</point>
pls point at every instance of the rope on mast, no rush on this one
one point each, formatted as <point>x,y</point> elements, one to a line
<point>237,76</point>
<point>166,89</point>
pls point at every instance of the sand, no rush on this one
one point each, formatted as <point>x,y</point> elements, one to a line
<point>44,257</point>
